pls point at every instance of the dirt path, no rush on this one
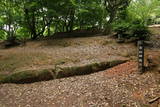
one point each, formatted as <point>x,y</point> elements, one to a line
<point>121,86</point>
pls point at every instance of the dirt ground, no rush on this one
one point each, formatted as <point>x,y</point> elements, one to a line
<point>71,51</point>
<point>120,86</point>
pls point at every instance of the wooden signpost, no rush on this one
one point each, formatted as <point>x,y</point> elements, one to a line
<point>141,56</point>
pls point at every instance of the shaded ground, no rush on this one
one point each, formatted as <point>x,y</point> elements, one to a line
<point>155,38</point>
<point>121,86</point>
<point>71,51</point>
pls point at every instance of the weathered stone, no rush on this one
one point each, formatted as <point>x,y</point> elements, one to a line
<point>30,76</point>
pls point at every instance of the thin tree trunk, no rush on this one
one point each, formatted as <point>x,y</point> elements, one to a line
<point>108,27</point>
<point>49,30</point>
<point>71,23</point>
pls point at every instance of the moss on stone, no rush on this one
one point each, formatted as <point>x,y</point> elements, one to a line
<point>30,76</point>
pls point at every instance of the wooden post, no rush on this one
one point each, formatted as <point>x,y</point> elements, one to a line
<point>141,56</point>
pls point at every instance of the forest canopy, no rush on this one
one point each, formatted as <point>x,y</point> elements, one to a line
<point>31,19</point>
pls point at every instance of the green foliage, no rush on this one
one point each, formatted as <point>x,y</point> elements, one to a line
<point>89,14</point>
<point>140,31</point>
<point>10,17</point>
<point>114,8</point>
<point>3,35</point>
<point>35,18</point>
<point>121,27</point>
<point>131,30</point>
<point>143,10</point>
<point>22,33</point>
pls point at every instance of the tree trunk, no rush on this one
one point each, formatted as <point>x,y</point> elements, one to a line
<point>9,26</point>
<point>71,23</point>
<point>108,27</point>
<point>49,30</point>
<point>33,27</point>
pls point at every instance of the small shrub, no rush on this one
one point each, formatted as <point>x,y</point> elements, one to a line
<point>132,30</point>
<point>139,31</point>
<point>121,28</point>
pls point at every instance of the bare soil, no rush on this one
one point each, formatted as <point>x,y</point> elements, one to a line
<point>120,86</point>
<point>71,51</point>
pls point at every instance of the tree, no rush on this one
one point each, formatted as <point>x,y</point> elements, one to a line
<point>39,18</point>
<point>143,10</point>
<point>35,17</point>
<point>10,17</point>
<point>112,8</point>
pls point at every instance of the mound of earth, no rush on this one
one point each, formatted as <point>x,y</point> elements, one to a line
<point>38,58</point>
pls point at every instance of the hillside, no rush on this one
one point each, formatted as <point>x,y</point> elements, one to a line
<point>120,86</point>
